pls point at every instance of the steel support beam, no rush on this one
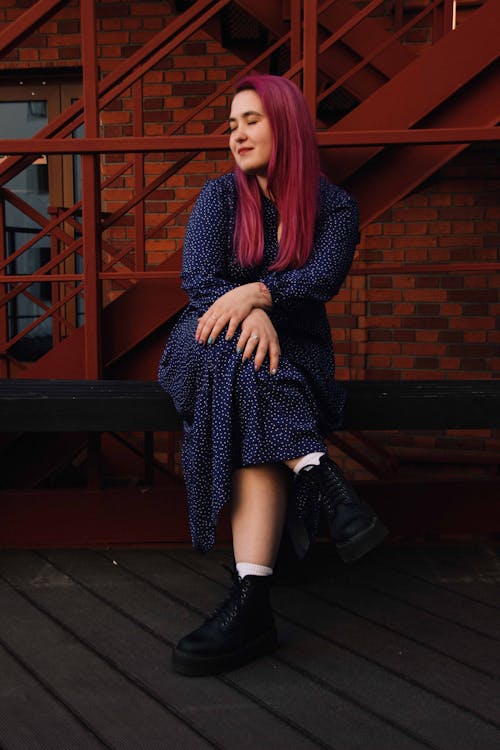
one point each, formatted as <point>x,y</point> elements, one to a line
<point>90,198</point>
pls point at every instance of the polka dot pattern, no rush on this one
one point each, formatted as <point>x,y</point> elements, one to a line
<point>234,416</point>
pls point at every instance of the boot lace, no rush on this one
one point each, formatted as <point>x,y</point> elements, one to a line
<point>229,609</point>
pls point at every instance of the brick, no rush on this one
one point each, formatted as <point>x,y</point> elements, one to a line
<point>440,199</point>
<point>380,282</point>
<point>381,321</point>
<point>416,255</point>
<point>427,309</point>
<point>416,227</point>
<point>462,199</point>
<point>422,375</point>
<point>427,282</point>
<point>415,214</point>
<point>404,282</point>
<point>417,200</point>
<point>382,374</point>
<point>472,323</point>
<point>403,308</point>
<point>414,241</point>
<point>477,310</point>
<point>450,363</point>
<point>462,240</point>
<point>452,282</point>
<point>383,348</point>
<point>423,295</point>
<point>428,336</point>
<point>373,230</point>
<point>450,337</point>
<point>404,336</point>
<point>395,228</point>
<point>473,295</point>
<point>474,364</point>
<point>492,213</point>
<point>378,361</point>
<point>427,363</point>
<point>422,322</point>
<point>473,349</point>
<point>439,227</point>
<point>402,362</point>
<point>461,213</point>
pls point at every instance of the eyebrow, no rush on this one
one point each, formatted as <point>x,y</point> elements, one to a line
<point>246,114</point>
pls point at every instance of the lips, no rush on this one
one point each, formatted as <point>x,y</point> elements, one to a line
<point>242,151</point>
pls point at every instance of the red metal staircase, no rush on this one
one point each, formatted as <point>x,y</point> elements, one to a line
<point>441,88</point>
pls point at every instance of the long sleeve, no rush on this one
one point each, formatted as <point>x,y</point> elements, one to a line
<point>336,236</point>
<point>207,245</point>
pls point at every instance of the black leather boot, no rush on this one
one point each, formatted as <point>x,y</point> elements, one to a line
<point>353,525</point>
<point>240,630</point>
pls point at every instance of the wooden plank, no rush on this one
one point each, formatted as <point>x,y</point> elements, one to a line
<point>442,637</point>
<point>31,718</point>
<point>133,626</point>
<point>382,575</point>
<point>363,667</point>
<point>119,710</point>
<point>472,572</point>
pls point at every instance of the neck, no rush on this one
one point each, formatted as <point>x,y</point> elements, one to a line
<point>262,180</point>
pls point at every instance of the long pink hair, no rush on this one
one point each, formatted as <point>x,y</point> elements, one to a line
<point>292,178</point>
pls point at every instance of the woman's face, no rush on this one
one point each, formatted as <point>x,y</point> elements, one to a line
<point>251,139</point>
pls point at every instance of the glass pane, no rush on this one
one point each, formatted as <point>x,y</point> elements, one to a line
<point>23,120</point>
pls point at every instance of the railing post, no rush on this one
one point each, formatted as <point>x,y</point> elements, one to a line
<point>444,18</point>
<point>90,195</point>
<point>138,130</point>
<point>311,55</point>
<point>296,31</point>
<point>398,13</point>
<point>4,332</point>
<point>57,328</point>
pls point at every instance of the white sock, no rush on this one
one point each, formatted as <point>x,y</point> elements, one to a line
<point>312,459</point>
<point>252,569</point>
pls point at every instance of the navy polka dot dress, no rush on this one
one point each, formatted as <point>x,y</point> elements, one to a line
<point>234,416</point>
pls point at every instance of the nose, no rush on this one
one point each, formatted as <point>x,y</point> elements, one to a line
<point>239,133</point>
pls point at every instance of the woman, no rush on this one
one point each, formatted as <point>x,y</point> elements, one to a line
<point>250,366</point>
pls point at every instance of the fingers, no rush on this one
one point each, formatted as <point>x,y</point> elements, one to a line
<point>274,357</point>
<point>247,344</point>
<point>251,343</point>
<point>210,326</point>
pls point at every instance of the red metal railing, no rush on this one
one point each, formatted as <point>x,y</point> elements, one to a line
<point>100,258</point>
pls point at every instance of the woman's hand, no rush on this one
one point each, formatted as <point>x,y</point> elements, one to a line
<point>258,336</point>
<point>230,310</point>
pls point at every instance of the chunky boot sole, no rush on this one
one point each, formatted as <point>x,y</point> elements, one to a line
<point>363,542</point>
<point>198,666</point>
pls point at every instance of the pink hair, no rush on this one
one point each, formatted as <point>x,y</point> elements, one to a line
<point>292,177</point>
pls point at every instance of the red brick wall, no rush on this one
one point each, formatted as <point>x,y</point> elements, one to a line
<point>436,325</point>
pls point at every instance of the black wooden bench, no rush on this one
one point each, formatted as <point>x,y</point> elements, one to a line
<point>118,405</point>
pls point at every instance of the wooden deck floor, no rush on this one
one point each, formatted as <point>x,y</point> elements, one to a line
<point>399,652</point>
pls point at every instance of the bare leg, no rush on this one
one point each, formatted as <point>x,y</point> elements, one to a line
<point>258,511</point>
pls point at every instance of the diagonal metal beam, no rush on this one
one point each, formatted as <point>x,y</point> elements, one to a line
<point>17,31</point>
